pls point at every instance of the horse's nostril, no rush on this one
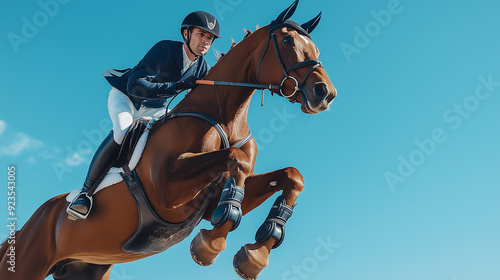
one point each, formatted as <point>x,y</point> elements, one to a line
<point>330,98</point>
<point>320,90</point>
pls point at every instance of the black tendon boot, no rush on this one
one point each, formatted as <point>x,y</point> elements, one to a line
<point>102,161</point>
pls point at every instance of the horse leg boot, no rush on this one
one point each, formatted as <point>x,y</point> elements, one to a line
<point>251,259</point>
<point>207,245</point>
<point>102,161</point>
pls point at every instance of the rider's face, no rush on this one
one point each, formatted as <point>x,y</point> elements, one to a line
<point>201,40</point>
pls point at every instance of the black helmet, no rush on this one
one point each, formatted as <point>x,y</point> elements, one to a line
<point>201,20</point>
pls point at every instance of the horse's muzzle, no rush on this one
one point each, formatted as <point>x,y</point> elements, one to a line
<point>319,99</point>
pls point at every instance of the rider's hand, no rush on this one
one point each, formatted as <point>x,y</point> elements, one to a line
<point>188,83</point>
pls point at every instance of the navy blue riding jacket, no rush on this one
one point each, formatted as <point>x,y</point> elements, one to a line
<point>154,78</point>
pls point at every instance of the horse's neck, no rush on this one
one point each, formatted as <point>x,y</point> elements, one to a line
<point>228,105</point>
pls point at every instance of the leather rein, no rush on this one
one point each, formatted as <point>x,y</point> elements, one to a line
<point>286,76</point>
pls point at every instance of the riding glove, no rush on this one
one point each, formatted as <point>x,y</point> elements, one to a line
<point>188,83</point>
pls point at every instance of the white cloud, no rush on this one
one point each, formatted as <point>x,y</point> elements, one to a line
<point>19,143</point>
<point>3,125</point>
<point>49,153</point>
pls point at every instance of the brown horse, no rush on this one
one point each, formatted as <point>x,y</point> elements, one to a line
<point>177,174</point>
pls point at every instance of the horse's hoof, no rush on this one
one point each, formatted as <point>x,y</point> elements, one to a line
<point>249,262</point>
<point>203,251</point>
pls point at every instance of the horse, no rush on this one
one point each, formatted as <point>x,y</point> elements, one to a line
<point>179,176</point>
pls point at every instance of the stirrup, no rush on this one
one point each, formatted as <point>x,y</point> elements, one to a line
<point>75,215</point>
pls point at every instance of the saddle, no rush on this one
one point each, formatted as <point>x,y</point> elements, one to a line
<point>131,139</point>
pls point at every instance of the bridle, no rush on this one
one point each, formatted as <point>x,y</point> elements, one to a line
<point>286,76</point>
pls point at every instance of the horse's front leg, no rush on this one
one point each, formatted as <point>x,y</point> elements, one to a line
<point>251,259</point>
<point>200,170</point>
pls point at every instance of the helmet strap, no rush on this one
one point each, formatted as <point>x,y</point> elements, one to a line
<point>188,42</point>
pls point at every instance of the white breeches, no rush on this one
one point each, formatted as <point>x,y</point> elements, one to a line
<point>123,113</point>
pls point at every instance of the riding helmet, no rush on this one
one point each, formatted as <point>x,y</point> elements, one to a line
<point>202,20</point>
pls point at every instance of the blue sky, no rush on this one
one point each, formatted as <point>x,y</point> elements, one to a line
<point>402,173</point>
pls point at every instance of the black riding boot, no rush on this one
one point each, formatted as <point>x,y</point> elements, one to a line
<point>105,156</point>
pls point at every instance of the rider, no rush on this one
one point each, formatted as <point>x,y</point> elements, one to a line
<point>169,67</point>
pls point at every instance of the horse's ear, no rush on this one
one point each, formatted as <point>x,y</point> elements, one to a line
<point>286,14</point>
<point>310,25</point>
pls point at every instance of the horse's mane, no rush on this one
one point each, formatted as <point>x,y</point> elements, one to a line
<point>248,32</point>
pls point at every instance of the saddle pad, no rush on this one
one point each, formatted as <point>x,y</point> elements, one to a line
<point>113,176</point>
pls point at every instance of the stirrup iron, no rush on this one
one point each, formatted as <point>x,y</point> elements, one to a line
<point>75,215</point>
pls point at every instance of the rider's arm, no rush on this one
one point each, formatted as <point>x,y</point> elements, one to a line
<point>139,83</point>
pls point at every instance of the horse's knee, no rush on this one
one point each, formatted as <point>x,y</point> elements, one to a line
<point>295,179</point>
<point>238,162</point>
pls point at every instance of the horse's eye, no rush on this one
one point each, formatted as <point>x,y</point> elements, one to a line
<point>288,40</point>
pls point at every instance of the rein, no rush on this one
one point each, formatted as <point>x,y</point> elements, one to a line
<point>222,83</point>
<point>254,86</point>
<point>286,76</point>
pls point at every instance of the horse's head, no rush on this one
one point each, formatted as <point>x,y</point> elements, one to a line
<point>290,59</point>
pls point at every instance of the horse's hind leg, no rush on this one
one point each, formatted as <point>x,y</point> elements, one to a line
<point>34,246</point>
<point>71,269</point>
<point>252,258</point>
